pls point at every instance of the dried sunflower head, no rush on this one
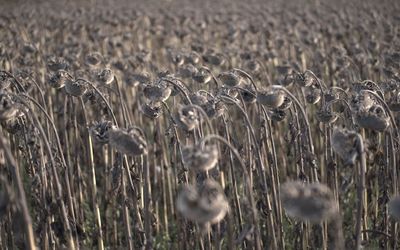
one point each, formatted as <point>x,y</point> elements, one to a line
<point>197,98</point>
<point>76,88</point>
<point>308,202</point>
<point>105,76</point>
<point>5,81</point>
<point>57,63</point>
<point>202,76</point>
<point>8,108</point>
<point>326,115</point>
<point>200,158</point>
<point>287,103</point>
<point>248,94</point>
<point>192,58</point>
<point>152,110</point>
<point>99,132</point>
<point>58,79</point>
<point>213,58</point>
<point>15,124</point>
<point>362,102</point>
<point>127,141</point>
<point>304,80</point>
<point>344,144</point>
<point>214,108</point>
<point>93,59</point>
<point>373,119</point>
<point>187,71</point>
<point>158,92</point>
<point>204,205</point>
<point>313,95</point>
<point>230,78</point>
<point>187,118</point>
<point>278,115</point>
<point>271,98</point>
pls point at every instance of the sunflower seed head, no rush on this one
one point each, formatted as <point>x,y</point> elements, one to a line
<point>152,110</point>
<point>304,80</point>
<point>249,94</point>
<point>313,95</point>
<point>15,124</point>
<point>202,76</point>
<point>8,108</point>
<point>5,81</point>
<point>177,58</point>
<point>187,71</point>
<point>278,115</point>
<point>214,108</point>
<point>127,141</point>
<point>57,63</point>
<point>230,79</point>
<point>373,119</point>
<point>99,132</point>
<point>271,98</point>
<point>308,202</point>
<point>192,58</point>
<point>344,144</point>
<point>362,101</point>
<point>105,76</point>
<point>200,158</point>
<point>29,48</point>
<point>198,98</point>
<point>143,56</point>
<point>206,204</point>
<point>215,59</point>
<point>330,96</point>
<point>252,66</point>
<point>158,92</point>
<point>58,79</point>
<point>76,88</point>
<point>93,59</point>
<point>284,70</point>
<point>187,118</point>
<point>326,115</point>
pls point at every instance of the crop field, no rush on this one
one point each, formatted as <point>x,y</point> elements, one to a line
<point>178,124</point>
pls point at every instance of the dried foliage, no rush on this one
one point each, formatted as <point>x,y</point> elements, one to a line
<point>184,124</point>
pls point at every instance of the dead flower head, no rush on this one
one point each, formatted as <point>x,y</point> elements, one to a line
<point>152,110</point>
<point>8,108</point>
<point>230,78</point>
<point>200,158</point>
<point>58,79</point>
<point>105,77</point>
<point>127,141</point>
<point>313,95</point>
<point>271,98</point>
<point>159,92</point>
<point>187,118</point>
<point>202,76</point>
<point>344,144</point>
<point>204,205</point>
<point>373,119</point>
<point>99,132</point>
<point>76,88</point>
<point>308,202</point>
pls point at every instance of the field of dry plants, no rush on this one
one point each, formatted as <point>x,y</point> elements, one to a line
<point>199,125</point>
